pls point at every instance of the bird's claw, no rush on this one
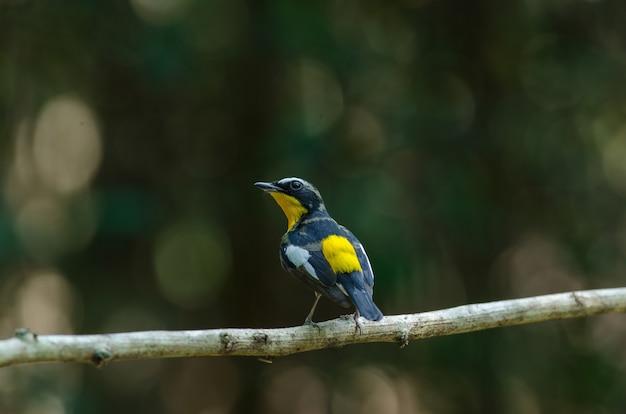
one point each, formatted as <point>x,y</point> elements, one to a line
<point>355,316</point>
<point>309,322</point>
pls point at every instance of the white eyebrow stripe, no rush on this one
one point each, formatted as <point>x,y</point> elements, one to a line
<point>288,179</point>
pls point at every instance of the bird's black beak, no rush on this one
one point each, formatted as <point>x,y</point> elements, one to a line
<point>268,187</point>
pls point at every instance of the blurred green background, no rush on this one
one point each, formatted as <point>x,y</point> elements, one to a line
<point>477,149</point>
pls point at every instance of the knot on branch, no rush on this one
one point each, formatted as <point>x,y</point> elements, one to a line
<point>101,356</point>
<point>227,343</point>
<point>403,338</point>
<point>260,339</point>
<point>25,335</point>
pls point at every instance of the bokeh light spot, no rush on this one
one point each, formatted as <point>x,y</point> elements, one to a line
<point>537,265</point>
<point>218,25</point>
<point>389,33</point>
<point>21,179</point>
<point>66,144</point>
<point>159,11</point>
<point>547,77</point>
<point>47,403</point>
<point>40,225</point>
<point>392,193</point>
<point>318,95</point>
<point>365,391</point>
<point>191,260</point>
<point>364,134</point>
<point>457,101</point>
<point>297,389</point>
<point>614,161</point>
<point>200,385</point>
<point>51,226</point>
<point>358,144</point>
<point>519,397</point>
<point>46,303</point>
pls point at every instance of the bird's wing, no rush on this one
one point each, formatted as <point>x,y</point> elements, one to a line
<point>368,273</point>
<point>310,260</point>
<point>311,267</point>
<point>332,292</point>
<point>325,273</point>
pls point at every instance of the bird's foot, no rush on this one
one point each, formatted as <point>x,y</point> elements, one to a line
<point>309,322</point>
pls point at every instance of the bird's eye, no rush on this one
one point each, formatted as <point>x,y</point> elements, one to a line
<point>295,185</point>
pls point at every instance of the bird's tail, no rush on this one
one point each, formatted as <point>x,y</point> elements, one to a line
<point>354,285</point>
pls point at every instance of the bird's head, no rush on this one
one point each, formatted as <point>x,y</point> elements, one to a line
<point>295,196</point>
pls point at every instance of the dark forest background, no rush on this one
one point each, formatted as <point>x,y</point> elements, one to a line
<point>477,149</point>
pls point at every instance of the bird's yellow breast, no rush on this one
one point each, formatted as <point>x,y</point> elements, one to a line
<point>340,254</point>
<point>292,208</point>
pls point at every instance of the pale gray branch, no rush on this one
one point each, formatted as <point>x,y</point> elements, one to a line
<point>27,347</point>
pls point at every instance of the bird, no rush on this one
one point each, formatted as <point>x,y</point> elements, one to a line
<point>320,252</point>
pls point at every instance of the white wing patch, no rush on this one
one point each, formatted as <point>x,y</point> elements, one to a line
<point>300,257</point>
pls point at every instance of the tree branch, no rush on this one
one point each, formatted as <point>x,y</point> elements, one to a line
<point>27,347</point>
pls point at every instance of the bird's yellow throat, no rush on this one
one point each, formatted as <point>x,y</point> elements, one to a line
<point>292,208</point>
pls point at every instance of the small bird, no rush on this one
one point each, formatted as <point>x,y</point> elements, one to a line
<point>326,256</point>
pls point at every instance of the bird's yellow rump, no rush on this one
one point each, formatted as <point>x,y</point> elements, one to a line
<point>340,254</point>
